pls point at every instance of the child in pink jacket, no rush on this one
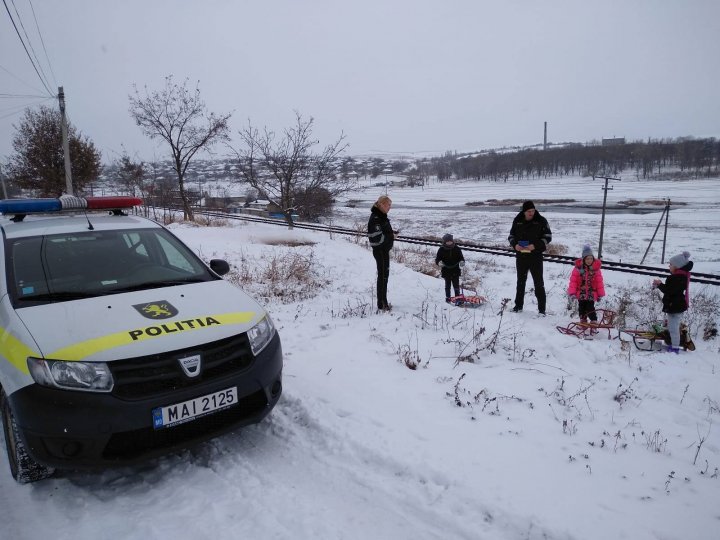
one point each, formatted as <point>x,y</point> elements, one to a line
<point>586,284</point>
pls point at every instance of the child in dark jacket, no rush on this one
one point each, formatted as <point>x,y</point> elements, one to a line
<point>676,295</point>
<point>450,260</point>
<point>586,284</point>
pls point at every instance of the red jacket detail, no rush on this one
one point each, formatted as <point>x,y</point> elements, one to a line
<point>586,283</point>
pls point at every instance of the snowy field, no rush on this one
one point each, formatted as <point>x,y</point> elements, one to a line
<point>440,207</point>
<point>534,435</point>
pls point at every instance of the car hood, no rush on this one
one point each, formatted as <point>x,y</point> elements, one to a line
<point>140,323</point>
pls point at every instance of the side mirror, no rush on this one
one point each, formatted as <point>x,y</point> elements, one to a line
<point>219,266</point>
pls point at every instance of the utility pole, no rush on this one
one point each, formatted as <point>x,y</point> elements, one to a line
<point>65,141</point>
<point>665,211</point>
<point>667,216</point>
<point>2,179</point>
<point>602,220</point>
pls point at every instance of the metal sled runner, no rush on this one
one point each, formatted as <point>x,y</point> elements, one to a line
<point>653,336</point>
<point>586,330</point>
<point>469,301</point>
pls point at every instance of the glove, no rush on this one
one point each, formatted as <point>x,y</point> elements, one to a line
<point>441,264</point>
<point>461,263</point>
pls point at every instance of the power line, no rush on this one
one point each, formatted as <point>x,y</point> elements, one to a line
<point>29,42</point>
<point>43,43</point>
<point>19,79</point>
<point>21,96</point>
<point>26,49</point>
<point>20,108</point>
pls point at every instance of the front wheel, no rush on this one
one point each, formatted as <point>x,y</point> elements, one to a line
<point>23,468</point>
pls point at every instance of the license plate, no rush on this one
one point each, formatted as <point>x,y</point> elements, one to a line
<point>192,409</point>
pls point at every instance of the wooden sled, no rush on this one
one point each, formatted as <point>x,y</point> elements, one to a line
<point>586,330</point>
<point>652,337</point>
<point>467,300</point>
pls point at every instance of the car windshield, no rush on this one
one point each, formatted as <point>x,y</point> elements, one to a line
<point>57,268</point>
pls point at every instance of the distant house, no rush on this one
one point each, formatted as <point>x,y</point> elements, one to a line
<point>260,204</point>
<point>223,203</point>
<point>266,208</point>
<point>615,141</point>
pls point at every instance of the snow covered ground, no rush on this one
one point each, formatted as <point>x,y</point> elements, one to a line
<point>537,436</point>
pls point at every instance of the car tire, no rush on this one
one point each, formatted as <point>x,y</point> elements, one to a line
<point>23,467</point>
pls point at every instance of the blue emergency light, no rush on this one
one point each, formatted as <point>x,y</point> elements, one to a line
<point>65,203</point>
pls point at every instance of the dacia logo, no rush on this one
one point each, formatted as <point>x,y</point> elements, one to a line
<point>191,365</point>
<point>161,309</point>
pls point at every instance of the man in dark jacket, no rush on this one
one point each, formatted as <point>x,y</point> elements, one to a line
<point>381,237</point>
<point>529,236</point>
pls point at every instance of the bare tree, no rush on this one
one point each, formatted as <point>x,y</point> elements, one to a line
<point>130,174</point>
<point>283,167</point>
<point>178,116</point>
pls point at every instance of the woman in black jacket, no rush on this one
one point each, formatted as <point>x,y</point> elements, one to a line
<point>381,236</point>
<point>676,295</point>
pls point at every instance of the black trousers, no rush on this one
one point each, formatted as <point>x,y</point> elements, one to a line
<point>455,281</point>
<point>534,264</point>
<point>586,310</point>
<point>382,259</point>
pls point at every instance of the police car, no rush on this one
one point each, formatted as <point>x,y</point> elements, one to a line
<point>117,343</point>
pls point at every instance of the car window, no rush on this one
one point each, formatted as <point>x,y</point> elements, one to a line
<point>70,266</point>
<point>175,257</point>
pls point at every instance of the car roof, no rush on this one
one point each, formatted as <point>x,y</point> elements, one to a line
<point>39,225</point>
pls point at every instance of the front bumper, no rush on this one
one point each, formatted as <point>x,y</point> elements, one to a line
<point>68,429</point>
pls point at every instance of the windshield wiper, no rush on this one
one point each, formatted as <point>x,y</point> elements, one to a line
<point>61,296</point>
<point>158,284</point>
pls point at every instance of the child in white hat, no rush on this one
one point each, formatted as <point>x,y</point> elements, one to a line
<point>676,295</point>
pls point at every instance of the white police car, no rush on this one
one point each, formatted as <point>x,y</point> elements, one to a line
<point>117,343</point>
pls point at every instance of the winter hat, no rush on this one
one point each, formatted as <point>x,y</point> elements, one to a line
<point>527,205</point>
<point>447,238</point>
<point>678,261</point>
<point>587,250</point>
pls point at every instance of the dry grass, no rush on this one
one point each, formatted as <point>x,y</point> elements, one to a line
<point>280,276</point>
<point>419,258</point>
<point>289,243</point>
<point>638,306</point>
<point>556,249</point>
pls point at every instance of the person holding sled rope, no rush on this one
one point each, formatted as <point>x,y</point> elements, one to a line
<point>450,259</point>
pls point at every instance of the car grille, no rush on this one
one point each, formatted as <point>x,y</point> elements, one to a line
<point>133,444</point>
<point>143,376</point>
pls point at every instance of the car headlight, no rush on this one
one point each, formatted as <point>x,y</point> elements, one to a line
<point>261,334</point>
<point>87,376</point>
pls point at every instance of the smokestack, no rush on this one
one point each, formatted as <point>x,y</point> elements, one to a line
<point>545,138</point>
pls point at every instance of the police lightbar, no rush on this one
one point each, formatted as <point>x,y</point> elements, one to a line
<point>66,202</point>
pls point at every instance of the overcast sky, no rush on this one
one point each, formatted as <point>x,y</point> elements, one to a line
<point>393,75</point>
